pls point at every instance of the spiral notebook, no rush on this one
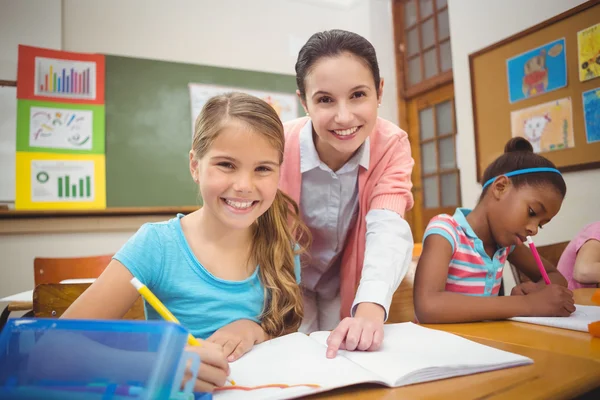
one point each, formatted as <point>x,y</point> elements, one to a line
<point>410,354</point>
<point>578,321</point>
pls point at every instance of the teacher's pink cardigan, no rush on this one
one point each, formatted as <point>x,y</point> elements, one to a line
<point>385,185</point>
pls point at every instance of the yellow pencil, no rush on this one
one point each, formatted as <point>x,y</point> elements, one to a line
<point>163,311</point>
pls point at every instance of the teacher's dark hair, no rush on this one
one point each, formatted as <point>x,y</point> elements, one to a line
<point>331,44</point>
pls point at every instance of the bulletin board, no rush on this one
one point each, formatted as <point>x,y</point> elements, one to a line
<point>542,84</point>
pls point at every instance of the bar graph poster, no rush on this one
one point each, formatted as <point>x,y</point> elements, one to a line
<point>61,180</point>
<point>55,181</point>
<point>55,75</point>
<point>66,79</point>
<point>60,130</point>
<point>60,127</point>
<point>285,104</point>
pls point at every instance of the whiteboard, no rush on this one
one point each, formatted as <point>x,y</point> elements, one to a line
<point>8,142</point>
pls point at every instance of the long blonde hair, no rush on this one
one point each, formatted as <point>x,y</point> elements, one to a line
<point>279,234</point>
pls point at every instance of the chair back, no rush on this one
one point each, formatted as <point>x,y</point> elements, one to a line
<point>51,300</point>
<point>55,270</point>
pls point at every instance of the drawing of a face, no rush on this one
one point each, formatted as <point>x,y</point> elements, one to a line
<point>534,129</point>
<point>536,63</point>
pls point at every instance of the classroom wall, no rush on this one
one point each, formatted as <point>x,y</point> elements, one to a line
<point>262,35</point>
<point>30,22</point>
<point>476,24</point>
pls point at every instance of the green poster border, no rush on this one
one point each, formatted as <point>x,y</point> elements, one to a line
<point>23,120</point>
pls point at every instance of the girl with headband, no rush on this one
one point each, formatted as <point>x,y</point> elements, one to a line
<point>460,270</point>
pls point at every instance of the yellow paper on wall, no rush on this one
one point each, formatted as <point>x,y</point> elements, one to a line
<point>47,181</point>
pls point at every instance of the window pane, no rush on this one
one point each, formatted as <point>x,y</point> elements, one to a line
<point>414,71</point>
<point>430,60</point>
<point>443,116</point>
<point>447,153</point>
<point>426,8</point>
<point>412,42</point>
<point>446,56</point>
<point>428,158</point>
<point>430,192</point>
<point>428,33</point>
<point>441,3</point>
<point>449,190</point>
<point>410,13</point>
<point>427,130</point>
<point>443,25</point>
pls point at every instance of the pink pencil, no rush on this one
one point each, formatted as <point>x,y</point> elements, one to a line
<point>538,260</point>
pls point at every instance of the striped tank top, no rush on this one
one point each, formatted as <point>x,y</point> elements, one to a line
<point>471,270</point>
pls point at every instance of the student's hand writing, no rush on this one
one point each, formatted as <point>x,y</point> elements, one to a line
<point>238,337</point>
<point>213,370</point>
<point>363,332</point>
<point>527,288</point>
<point>552,301</point>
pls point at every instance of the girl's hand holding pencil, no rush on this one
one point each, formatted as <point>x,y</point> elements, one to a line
<point>551,301</point>
<point>214,368</point>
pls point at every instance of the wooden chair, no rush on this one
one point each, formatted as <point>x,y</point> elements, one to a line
<point>55,270</point>
<point>51,300</point>
<point>402,308</point>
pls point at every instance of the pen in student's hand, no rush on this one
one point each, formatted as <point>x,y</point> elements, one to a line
<point>163,311</point>
<point>538,260</point>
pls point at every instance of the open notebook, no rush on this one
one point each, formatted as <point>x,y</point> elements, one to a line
<point>578,321</point>
<point>410,354</point>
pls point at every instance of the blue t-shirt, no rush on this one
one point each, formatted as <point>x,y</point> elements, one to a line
<point>160,257</point>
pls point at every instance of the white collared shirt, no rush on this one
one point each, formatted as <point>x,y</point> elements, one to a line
<point>329,206</point>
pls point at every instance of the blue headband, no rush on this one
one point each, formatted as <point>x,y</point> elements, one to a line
<point>521,172</point>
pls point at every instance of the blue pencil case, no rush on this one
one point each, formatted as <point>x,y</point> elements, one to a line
<point>90,359</point>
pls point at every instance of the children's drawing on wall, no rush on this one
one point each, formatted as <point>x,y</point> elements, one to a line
<point>588,44</point>
<point>591,114</point>
<point>547,126</point>
<point>537,71</point>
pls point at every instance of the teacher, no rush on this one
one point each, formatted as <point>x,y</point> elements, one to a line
<point>349,171</point>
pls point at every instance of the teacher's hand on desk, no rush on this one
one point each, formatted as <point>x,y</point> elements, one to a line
<point>362,332</point>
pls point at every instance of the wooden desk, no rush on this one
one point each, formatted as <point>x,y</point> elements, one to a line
<point>552,375</point>
<point>584,296</point>
<point>563,341</point>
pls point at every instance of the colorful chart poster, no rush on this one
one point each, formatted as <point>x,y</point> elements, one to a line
<point>285,104</point>
<point>60,127</point>
<point>52,75</point>
<point>591,114</point>
<point>47,181</point>
<point>60,131</point>
<point>588,46</point>
<point>548,126</point>
<point>537,71</point>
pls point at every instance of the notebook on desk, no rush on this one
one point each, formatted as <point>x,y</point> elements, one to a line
<point>410,354</point>
<point>578,321</point>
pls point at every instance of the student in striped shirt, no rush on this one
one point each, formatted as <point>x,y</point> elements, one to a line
<point>459,273</point>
